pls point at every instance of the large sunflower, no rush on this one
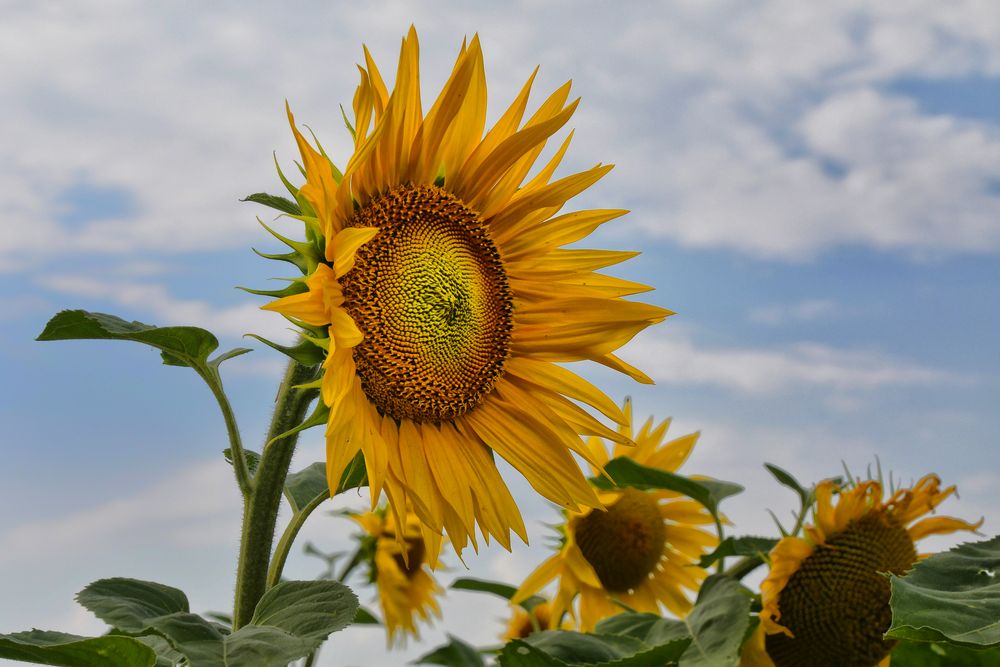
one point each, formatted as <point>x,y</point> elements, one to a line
<point>399,564</point>
<point>444,300</point>
<point>826,598</point>
<point>641,551</point>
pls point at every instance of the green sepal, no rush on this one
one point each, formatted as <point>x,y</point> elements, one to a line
<point>304,205</point>
<point>276,202</point>
<point>291,257</point>
<point>308,255</point>
<point>319,415</point>
<point>347,123</point>
<point>337,176</point>
<point>305,352</point>
<point>295,286</point>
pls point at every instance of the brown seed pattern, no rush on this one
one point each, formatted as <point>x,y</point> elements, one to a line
<point>431,296</point>
<point>625,543</point>
<point>837,602</point>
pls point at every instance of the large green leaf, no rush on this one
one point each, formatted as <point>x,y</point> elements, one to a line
<point>932,654</point>
<point>626,472</point>
<point>952,596</point>
<point>58,648</point>
<point>716,625</point>
<point>455,653</point>
<point>589,650</point>
<point>290,621</point>
<point>648,628</point>
<point>129,604</point>
<point>180,346</point>
<point>520,654</point>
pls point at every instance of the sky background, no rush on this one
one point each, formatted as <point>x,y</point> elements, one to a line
<point>815,188</point>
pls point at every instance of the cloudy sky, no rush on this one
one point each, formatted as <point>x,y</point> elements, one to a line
<point>815,188</point>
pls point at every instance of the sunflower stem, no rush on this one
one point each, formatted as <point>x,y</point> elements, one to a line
<point>260,509</point>
<point>287,538</point>
<point>243,479</point>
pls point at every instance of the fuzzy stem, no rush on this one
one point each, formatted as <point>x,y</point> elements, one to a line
<point>287,538</point>
<point>260,511</point>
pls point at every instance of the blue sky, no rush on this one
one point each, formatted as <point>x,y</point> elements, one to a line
<point>815,189</point>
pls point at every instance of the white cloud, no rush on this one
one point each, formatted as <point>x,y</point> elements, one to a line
<point>803,311</point>
<point>158,302</point>
<point>199,506</point>
<point>674,359</point>
<point>721,115</point>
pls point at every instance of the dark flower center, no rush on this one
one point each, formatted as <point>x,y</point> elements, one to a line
<point>431,296</point>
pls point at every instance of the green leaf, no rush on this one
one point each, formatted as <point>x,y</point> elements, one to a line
<point>739,546</point>
<point>252,458</point>
<point>455,653</point>
<point>166,656</point>
<point>310,610</point>
<point>506,591</point>
<point>587,649</point>
<point>626,472</point>
<point>58,648</point>
<point>648,628</point>
<point>931,654</point>
<point>274,201</point>
<point>226,356</point>
<point>365,617</point>
<point>128,604</point>
<point>308,486</point>
<point>556,648</point>
<point>785,478</point>
<point>290,621</point>
<point>521,654</point>
<point>180,346</point>
<point>952,596</point>
<point>717,623</point>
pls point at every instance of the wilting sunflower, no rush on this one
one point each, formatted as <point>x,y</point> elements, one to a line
<point>641,551</point>
<point>399,566</point>
<point>826,598</point>
<point>438,287</point>
<point>523,623</point>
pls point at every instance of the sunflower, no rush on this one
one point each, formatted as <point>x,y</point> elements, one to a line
<point>641,551</point>
<point>399,565</point>
<point>438,288</point>
<point>523,623</point>
<point>826,598</point>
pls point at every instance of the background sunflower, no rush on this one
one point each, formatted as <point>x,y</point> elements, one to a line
<point>641,552</point>
<point>826,598</point>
